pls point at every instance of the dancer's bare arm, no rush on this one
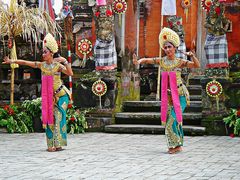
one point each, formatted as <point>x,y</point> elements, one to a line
<point>154,60</point>
<point>33,64</point>
<point>67,69</point>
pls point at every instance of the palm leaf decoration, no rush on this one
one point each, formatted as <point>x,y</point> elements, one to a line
<point>29,23</point>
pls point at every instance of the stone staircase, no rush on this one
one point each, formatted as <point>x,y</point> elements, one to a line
<point>144,116</point>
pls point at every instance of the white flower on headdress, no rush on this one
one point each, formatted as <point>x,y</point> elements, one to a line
<point>50,43</point>
<point>168,35</point>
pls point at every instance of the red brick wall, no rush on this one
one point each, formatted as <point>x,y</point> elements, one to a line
<point>151,46</point>
<point>131,26</point>
<point>234,36</point>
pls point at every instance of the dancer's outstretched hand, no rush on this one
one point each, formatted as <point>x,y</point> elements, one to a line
<point>135,61</point>
<point>6,60</point>
<point>190,53</point>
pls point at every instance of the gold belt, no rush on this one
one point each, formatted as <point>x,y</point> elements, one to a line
<point>59,89</point>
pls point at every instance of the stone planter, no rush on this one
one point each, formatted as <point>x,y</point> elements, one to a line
<point>37,125</point>
<point>216,127</point>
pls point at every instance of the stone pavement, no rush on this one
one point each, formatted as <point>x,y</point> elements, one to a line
<point>99,156</point>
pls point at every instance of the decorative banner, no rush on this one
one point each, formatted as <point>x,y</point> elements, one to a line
<point>214,89</point>
<point>67,15</point>
<point>119,6</point>
<point>84,47</point>
<point>175,23</point>
<point>169,7</point>
<point>70,77</point>
<point>47,6</point>
<point>186,4</point>
<point>206,4</point>
<point>99,88</point>
<point>10,43</point>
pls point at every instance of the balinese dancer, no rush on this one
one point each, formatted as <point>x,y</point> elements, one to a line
<point>174,94</point>
<point>55,96</point>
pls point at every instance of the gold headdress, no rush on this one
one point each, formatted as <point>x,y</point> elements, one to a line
<point>168,35</point>
<point>50,43</point>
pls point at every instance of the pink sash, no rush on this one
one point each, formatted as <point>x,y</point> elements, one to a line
<point>47,100</point>
<point>174,93</point>
<point>101,2</point>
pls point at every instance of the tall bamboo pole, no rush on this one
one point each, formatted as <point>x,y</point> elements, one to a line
<point>69,39</point>
<point>138,26</point>
<point>13,56</point>
<point>12,87</point>
<point>123,33</point>
<point>70,62</point>
<point>159,68</point>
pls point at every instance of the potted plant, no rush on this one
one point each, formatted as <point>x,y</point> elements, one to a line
<point>15,119</point>
<point>233,121</point>
<point>76,121</point>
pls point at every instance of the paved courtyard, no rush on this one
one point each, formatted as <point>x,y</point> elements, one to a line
<point>118,156</point>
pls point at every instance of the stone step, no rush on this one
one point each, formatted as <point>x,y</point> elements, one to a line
<point>195,89</point>
<point>3,130</point>
<point>195,106</point>
<point>195,80</point>
<point>154,106</point>
<point>150,129</point>
<point>153,118</point>
<point>196,98</point>
<point>97,123</point>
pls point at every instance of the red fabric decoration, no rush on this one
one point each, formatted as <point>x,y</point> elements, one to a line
<point>97,14</point>
<point>109,13</point>
<point>218,65</point>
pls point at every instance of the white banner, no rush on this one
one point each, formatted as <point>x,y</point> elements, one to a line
<point>41,4</point>
<point>169,7</point>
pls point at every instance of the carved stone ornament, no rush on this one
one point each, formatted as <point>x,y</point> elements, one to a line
<point>104,23</point>
<point>175,23</point>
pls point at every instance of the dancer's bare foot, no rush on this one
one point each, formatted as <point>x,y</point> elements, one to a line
<point>178,149</point>
<point>51,149</point>
<point>59,149</point>
<point>174,150</point>
<point>171,150</point>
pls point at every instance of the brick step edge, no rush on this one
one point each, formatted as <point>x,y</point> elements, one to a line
<point>151,129</point>
<point>152,115</point>
<point>3,130</point>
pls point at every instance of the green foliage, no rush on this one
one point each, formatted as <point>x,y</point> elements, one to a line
<point>76,121</point>
<point>33,107</point>
<point>15,119</point>
<point>216,22</point>
<point>18,119</point>
<point>216,72</point>
<point>233,120</point>
<point>234,62</point>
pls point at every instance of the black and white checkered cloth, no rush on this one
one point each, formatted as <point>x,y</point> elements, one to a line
<point>216,49</point>
<point>181,48</point>
<point>105,53</point>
